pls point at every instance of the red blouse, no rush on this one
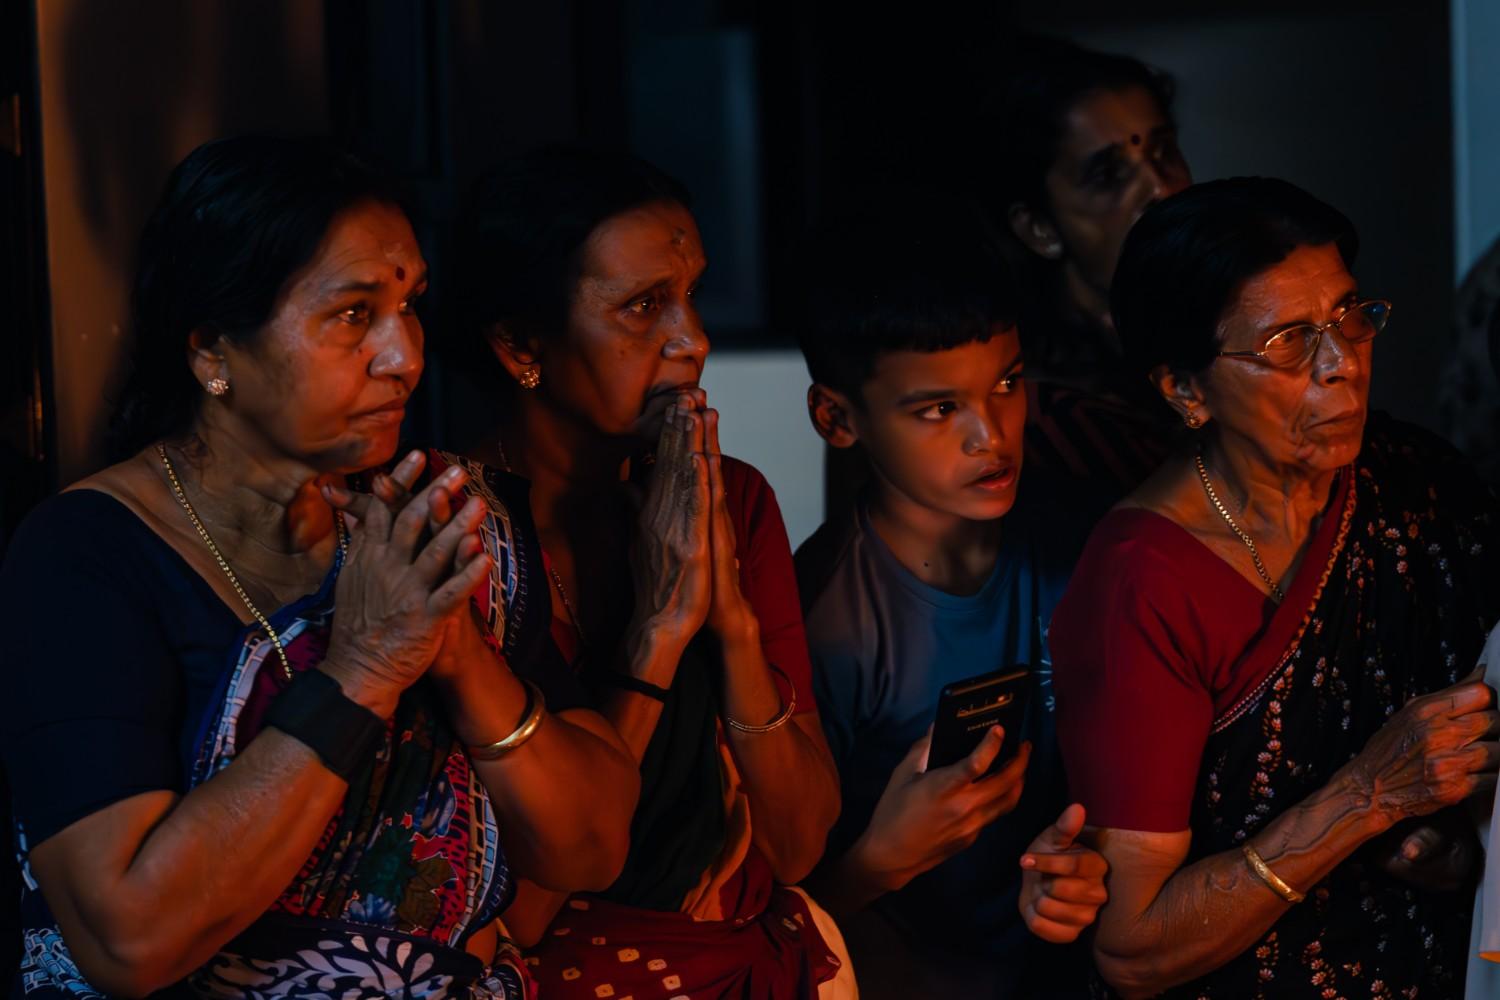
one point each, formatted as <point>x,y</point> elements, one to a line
<point>1157,638</point>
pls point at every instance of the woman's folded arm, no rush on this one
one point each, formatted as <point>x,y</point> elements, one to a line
<point>1166,924</point>
<point>147,889</point>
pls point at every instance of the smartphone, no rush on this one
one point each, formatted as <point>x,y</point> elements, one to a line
<point>967,709</point>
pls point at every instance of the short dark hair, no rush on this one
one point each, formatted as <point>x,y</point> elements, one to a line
<point>520,241</point>
<point>925,279</point>
<point>237,218</point>
<point>1184,263</point>
<point>1024,120</point>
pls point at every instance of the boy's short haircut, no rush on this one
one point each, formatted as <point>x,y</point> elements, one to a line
<point>925,279</point>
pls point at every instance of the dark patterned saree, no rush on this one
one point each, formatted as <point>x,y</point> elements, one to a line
<point>1399,607</point>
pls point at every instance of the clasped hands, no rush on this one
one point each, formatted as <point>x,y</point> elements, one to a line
<point>683,564</point>
<point>438,527</point>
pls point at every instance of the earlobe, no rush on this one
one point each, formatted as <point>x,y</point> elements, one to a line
<point>514,355</point>
<point>1035,231</point>
<point>828,409</point>
<point>206,359</point>
<point>1182,393</point>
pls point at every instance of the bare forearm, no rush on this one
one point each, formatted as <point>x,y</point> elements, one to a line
<point>1214,909</point>
<point>634,716</point>
<point>215,860</point>
<point>564,802</point>
<point>788,772</point>
<point>563,799</point>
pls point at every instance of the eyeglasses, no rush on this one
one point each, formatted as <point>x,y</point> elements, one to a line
<point>1297,345</point>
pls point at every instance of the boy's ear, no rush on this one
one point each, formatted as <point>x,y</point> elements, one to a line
<point>830,412</point>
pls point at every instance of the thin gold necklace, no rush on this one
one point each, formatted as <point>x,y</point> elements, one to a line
<point>234,581</point>
<point>1276,592</point>
<point>551,572</point>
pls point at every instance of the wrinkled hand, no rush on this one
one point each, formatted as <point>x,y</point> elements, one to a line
<point>394,489</point>
<point>1438,750</point>
<point>463,640</point>
<point>1062,885</point>
<point>925,817</point>
<point>671,561</point>
<point>399,589</point>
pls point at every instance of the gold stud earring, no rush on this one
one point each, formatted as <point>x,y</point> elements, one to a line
<point>1193,421</point>
<point>530,378</point>
<point>217,386</point>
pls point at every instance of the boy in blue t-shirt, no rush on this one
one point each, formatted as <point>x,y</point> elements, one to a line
<point>935,576</point>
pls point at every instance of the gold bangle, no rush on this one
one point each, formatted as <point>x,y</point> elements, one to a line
<point>780,720</point>
<point>1271,879</point>
<point>536,708</point>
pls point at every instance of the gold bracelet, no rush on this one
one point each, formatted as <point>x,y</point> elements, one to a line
<point>780,720</point>
<point>536,708</point>
<point>1271,879</point>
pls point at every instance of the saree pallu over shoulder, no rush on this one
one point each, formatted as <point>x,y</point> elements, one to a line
<point>408,868</point>
<point>1395,605</point>
<point>505,600</point>
<point>516,600</point>
<point>1296,613</point>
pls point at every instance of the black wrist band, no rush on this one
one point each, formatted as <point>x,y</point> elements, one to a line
<point>314,711</point>
<point>632,683</point>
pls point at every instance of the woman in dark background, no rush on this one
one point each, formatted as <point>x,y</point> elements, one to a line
<point>681,620</point>
<point>1280,626</point>
<point>1080,144</point>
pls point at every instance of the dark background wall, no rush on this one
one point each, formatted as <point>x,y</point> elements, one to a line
<point>774,114</point>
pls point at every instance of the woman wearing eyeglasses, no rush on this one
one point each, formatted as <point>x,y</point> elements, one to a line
<point>1263,663</point>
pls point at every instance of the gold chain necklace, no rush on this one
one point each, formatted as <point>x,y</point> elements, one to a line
<point>234,581</point>
<point>551,572</point>
<point>1241,533</point>
<point>577,625</point>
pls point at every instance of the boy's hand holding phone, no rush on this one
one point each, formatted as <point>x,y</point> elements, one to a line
<point>925,817</point>
<point>1062,887</point>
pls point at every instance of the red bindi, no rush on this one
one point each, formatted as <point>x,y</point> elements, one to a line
<point>400,273</point>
